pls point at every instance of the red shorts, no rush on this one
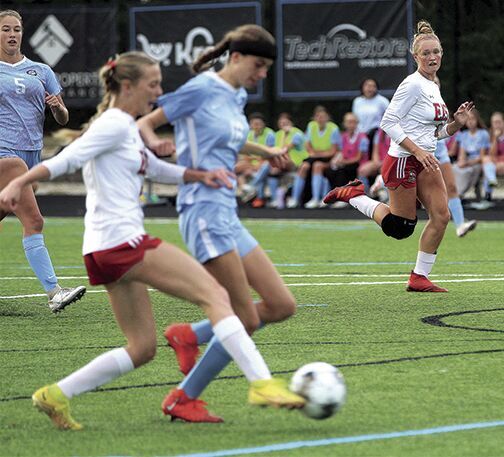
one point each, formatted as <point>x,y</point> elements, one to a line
<point>109,265</point>
<point>401,171</point>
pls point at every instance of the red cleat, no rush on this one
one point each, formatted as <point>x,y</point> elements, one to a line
<point>182,339</point>
<point>179,406</point>
<point>419,283</point>
<point>345,193</point>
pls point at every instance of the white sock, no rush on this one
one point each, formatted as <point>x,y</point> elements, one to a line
<point>364,204</point>
<point>99,371</point>
<point>424,263</point>
<point>232,335</point>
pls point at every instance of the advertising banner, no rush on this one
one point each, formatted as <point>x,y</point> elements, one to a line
<point>176,34</point>
<point>75,42</point>
<point>327,47</point>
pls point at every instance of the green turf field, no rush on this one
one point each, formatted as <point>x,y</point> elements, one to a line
<point>403,372</point>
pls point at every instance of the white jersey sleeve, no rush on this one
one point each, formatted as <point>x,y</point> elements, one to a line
<point>163,172</point>
<point>417,111</point>
<point>102,136</point>
<point>403,100</point>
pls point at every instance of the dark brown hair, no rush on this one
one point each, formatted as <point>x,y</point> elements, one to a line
<point>245,33</point>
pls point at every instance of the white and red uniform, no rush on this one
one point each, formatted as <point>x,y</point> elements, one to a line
<point>416,111</point>
<point>115,161</point>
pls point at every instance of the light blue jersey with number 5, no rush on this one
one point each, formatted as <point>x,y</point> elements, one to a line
<point>23,88</point>
<point>210,130</point>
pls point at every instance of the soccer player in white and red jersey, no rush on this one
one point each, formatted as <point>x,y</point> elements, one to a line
<point>415,120</point>
<point>117,251</point>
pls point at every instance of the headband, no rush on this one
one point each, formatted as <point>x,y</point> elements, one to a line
<point>260,48</point>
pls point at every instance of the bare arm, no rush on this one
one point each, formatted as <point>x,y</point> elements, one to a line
<point>266,152</point>
<point>462,158</point>
<point>58,108</point>
<point>460,118</point>
<point>494,145</point>
<point>278,157</point>
<point>147,126</point>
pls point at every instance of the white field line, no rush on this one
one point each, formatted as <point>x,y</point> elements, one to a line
<point>369,283</point>
<point>360,283</point>
<point>356,275</point>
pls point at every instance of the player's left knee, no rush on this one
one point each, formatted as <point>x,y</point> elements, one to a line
<point>398,227</point>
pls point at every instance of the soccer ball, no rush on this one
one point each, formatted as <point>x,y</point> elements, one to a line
<point>323,387</point>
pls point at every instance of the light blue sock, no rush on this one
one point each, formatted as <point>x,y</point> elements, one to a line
<point>297,190</point>
<point>261,174</point>
<point>203,331</point>
<point>39,260</point>
<point>456,210</point>
<point>364,180</point>
<point>490,171</point>
<point>486,186</point>
<point>260,190</point>
<point>326,186</point>
<point>316,186</point>
<point>273,186</point>
<point>210,364</point>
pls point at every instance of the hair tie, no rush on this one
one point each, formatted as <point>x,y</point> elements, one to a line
<point>111,63</point>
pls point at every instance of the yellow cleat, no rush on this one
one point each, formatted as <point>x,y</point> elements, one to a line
<point>274,392</point>
<point>52,401</point>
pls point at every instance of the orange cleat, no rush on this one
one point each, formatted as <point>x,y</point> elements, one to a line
<point>182,339</point>
<point>419,283</point>
<point>179,406</point>
<point>344,193</point>
<point>258,203</point>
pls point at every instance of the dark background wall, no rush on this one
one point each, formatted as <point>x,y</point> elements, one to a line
<point>471,31</point>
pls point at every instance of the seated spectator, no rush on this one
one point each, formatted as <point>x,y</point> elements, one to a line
<point>474,143</point>
<point>369,108</point>
<point>292,139</point>
<point>323,141</point>
<point>370,169</point>
<point>493,163</point>
<point>354,153</point>
<point>253,168</point>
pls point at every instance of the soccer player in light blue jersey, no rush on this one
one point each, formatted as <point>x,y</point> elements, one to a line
<point>210,130</point>
<point>26,87</point>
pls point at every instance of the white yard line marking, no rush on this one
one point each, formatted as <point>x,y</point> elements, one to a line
<point>356,275</point>
<point>316,284</point>
<point>291,445</point>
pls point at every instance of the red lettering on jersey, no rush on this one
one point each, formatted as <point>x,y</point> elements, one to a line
<point>440,112</point>
<point>143,165</point>
<point>445,112</point>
